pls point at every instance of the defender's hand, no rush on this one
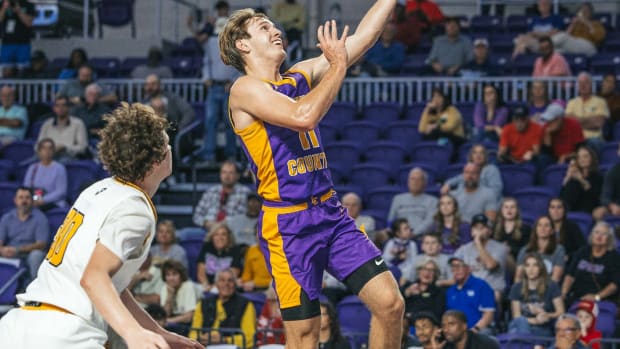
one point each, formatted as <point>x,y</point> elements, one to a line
<point>333,48</point>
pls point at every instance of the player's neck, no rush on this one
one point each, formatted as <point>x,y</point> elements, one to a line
<point>263,70</point>
<point>148,185</point>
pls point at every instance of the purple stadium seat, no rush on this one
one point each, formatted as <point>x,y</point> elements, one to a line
<point>7,193</point>
<point>414,64</point>
<point>502,43</point>
<point>116,13</point>
<point>533,201</point>
<point>387,153</point>
<point>353,315</point>
<point>428,167</point>
<point>604,18</point>
<point>363,133</point>
<point>612,44</point>
<point>484,24</point>
<point>10,274</point>
<point>34,129</point>
<point>340,114</point>
<point>606,320</point>
<point>616,132</point>
<point>192,246</point>
<point>603,63</point>
<point>370,176</point>
<point>453,170</point>
<point>6,169</point>
<point>521,341</point>
<point>431,152</point>
<point>524,64</point>
<point>467,113</point>
<point>106,67</point>
<point>338,173</point>
<point>517,24</point>
<point>614,221</point>
<point>553,177</point>
<point>577,62</point>
<point>380,198</point>
<point>344,153</point>
<point>79,175</point>
<point>55,217</point>
<point>130,63</point>
<point>609,153</point>
<point>328,134</point>
<point>404,132</point>
<point>516,177</point>
<point>186,66</point>
<point>381,113</point>
<point>188,47</point>
<point>348,188</point>
<point>257,298</point>
<point>18,151</point>
<point>414,112</point>
<point>58,63</point>
<point>583,220</point>
<point>380,217</point>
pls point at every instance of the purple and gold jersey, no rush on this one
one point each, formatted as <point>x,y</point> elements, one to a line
<point>289,166</point>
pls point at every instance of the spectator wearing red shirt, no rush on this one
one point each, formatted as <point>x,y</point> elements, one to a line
<point>561,134</point>
<point>520,139</point>
<point>409,27</point>
<point>427,11</point>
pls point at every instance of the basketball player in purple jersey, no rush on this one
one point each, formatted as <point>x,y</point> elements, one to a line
<point>303,228</point>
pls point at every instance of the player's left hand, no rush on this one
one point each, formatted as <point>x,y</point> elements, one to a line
<point>179,342</point>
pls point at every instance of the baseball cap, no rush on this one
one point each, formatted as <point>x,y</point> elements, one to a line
<point>456,258</point>
<point>520,111</point>
<point>481,41</point>
<point>552,112</point>
<point>479,218</point>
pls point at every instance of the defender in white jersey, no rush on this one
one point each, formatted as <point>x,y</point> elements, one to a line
<point>81,286</point>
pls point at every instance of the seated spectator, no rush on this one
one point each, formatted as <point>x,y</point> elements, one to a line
<point>485,257</point>
<point>422,294</point>
<point>594,271</point>
<point>75,89</point>
<point>147,283</point>
<point>24,232</point>
<point>490,115</point>
<point>490,177</point>
<point>427,11</point>
<point>226,310</point>
<point>179,296</point>
<point>537,100</point>
<point>427,330</point>
<point>535,301</point>
<point>583,35</point>
<point>218,252</point>
<point>178,111</point>
<point>329,333</point>
<point>612,96</point>
<point>153,66</point>
<point>353,203</point>
<point>472,197</point>
<point>13,117</point>
<point>416,206</point>
<point>220,201</point>
<point>587,312</point>
<point>520,139</point>
<point>582,184</point>
<point>455,326</point>
<point>67,132</point>
<point>387,56</point>
<point>243,225</point>
<point>291,15</point>
<point>333,289</point>
<point>400,250</point>
<point>610,194</point>
<point>590,110</point>
<point>167,247</point>
<point>567,333</point>
<point>480,65</point>
<point>91,111</point>
<point>38,68</point>
<point>431,249</point>
<point>543,242</point>
<point>440,119</point>
<point>550,63</point>
<point>447,225</point>
<point>47,178</point>
<point>561,135</point>
<point>511,230</point>
<point>472,296</point>
<point>567,232</point>
<point>270,326</point>
<point>451,51</point>
<point>255,275</point>
<point>77,58</point>
<point>543,25</point>
<point>409,27</point>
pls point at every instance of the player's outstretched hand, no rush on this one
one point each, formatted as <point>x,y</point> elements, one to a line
<point>333,47</point>
<point>145,339</point>
<point>179,342</point>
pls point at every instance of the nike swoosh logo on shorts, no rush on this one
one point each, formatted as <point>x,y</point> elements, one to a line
<point>379,261</point>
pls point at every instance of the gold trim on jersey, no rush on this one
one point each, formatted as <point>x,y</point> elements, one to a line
<point>290,80</point>
<point>44,306</point>
<point>135,186</point>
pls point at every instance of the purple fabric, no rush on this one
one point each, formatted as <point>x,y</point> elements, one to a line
<point>319,238</point>
<point>52,179</point>
<point>480,116</point>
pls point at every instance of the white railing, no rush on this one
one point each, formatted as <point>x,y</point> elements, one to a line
<point>361,91</point>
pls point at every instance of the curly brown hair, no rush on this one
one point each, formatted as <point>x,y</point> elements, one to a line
<point>236,29</point>
<point>132,141</point>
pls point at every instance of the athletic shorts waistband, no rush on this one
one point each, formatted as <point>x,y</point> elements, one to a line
<point>43,306</point>
<point>288,207</point>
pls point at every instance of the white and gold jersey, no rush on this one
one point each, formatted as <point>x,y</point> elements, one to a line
<point>117,214</point>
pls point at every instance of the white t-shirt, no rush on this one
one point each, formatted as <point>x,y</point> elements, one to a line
<point>185,300</point>
<point>117,214</point>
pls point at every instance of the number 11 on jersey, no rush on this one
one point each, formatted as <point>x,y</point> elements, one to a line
<point>308,140</point>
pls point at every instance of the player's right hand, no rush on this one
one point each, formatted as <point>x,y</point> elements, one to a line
<point>145,339</point>
<point>333,48</point>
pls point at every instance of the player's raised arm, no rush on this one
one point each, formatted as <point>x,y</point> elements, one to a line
<point>252,98</point>
<point>368,31</point>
